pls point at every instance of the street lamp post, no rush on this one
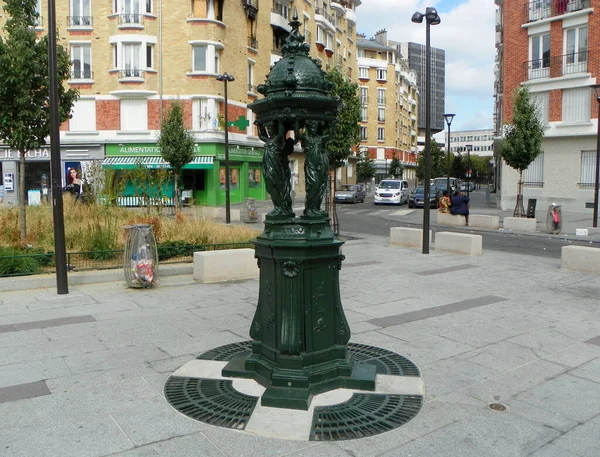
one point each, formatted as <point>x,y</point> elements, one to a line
<point>596,89</point>
<point>431,18</point>
<point>469,148</point>
<point>226,78</point>
<point>449,118</point>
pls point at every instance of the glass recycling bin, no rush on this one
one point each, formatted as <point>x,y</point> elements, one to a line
<point>141,256</point>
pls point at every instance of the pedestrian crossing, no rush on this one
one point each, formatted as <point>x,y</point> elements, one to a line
<point>373,212</point>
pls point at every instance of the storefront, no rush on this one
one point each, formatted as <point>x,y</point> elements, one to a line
<point>203,178</point>
<point>37,170</point>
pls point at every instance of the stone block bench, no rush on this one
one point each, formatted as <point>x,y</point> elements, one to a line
<point>580,258</point>
<point>459,243</point>
<point>225,265</point>
<point>407,237</point>
<point>454,220</point>
<point>483,221</point>
<point>520,224</point>
<point>211,212</point>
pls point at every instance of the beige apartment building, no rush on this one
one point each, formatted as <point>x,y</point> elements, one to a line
<point>131,58</point>
<point>389,98</point>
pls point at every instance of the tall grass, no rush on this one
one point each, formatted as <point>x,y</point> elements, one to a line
<point>94,227</point>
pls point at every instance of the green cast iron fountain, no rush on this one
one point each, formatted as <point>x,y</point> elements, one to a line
<point>300,333</point>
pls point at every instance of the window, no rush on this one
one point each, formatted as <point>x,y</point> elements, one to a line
<point>364,95</point>
<point>320,38</point>
<point>83,116</point>
<point>329,39</point>
<point>199,53</point>
<point>38,10</point>
<point>381,96</point>
<point>380,134</point>
<point>80,13</point>
<point>542,102</point>
<point>588,169</point>
<point>363,133</point>
<point>540,56</point>
<point>254,177</point>
<point>576,105</point>
<point>364,113</point>
<point>363,73</point>
<point>576,47</point>
<point>132,6</point>
<point>380,153</point>
<point>534,174</point>
<point>81,58</point>
<point>381,114</point>
<point>381,74</point>
<point>204,114</point>
<point>251,87</point>
<point>131,60</point>
<point>134,114</point>
<point>360,53</point>
<point>149,55</point>
<point>205,58</point>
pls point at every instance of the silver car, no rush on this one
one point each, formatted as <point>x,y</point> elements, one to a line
<point>351,193</point>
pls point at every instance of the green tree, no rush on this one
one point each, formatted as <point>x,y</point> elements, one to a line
<point>365,166</point>
<point>176,144</point>
<point>24,87</point>
<point>522,141</point>
<point>438,162</point>
<point>458,167</point>
<point>346,133</point>
<point>396,168</point>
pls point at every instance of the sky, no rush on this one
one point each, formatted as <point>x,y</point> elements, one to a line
<point>466,33</point>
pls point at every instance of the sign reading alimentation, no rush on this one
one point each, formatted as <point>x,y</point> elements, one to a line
<point>133,149</point>
<point>138,149</point>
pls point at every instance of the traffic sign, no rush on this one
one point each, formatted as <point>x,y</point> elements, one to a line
<point>468,174</point>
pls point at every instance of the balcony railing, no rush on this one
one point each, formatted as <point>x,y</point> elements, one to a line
<point>555,67</point>
<point>131,73</point>
<point>280,9</point>
<point>325,14</point>
<point>252,3</point>
<point>131,19</point>
<point>79,21</point>
<point>538,68</point>
<point>81,74</point>
<point>543,9</point>
<point>252,42</point>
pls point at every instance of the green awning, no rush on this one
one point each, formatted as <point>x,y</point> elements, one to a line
<point>130,162</point>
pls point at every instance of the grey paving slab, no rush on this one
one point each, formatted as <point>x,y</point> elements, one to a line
<point>189,445</point>
<point>573,397</point>
<point>589,370</point>
<point>373,445</point>
<point>37,370</point>
<point>53,349</point>
<point>545,341</point>
<point>18,415</point>
<point>19,338</point>
<point>23,391</point>
<point>113,358</point>
<point>550,450</point>
<point>198,344</point>
<point>583,440</point>
<point>75,381</point>
<point>595,341</point>
<point>501,356</point>
<point>575,355</point>
<point>451,269</point>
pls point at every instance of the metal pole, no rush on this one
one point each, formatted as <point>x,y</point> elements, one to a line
<point>427,140</point>
<point>596,184</point>
<point>60,256</point>
<point>227,196</point>
<point>448,152</point>
<point>468,172</point>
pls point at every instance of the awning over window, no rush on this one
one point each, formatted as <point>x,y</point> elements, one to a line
<point>130,162</point>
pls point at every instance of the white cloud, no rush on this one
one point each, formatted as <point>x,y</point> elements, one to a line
<point>467,35</point>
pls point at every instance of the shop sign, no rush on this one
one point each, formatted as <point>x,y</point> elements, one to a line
<point>138,149</point>
<point>242,154</point>
<point>11,154</point>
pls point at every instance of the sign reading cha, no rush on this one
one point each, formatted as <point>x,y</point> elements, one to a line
<point>11,154</point>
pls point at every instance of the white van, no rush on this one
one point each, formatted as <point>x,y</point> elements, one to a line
<point>391,191</point>
<point>441,183</point>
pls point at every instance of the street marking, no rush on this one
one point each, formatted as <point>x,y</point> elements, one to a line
<point>402,212</point>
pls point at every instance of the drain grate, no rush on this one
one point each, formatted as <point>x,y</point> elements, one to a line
<point>211,401</point>
<point>363,415</point>
<point>386,362</point>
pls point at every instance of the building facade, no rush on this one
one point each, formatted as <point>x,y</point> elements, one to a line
<point>481,140</point>
<point>389,99</point>
<point>131,59</point>
<point>550,47</point>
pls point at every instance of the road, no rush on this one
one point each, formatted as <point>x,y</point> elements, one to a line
<point>377,220</point>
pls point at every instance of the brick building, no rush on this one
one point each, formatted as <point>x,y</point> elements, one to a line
<point>131,58</point>
<point>549,46</point>
<point>389,98</point>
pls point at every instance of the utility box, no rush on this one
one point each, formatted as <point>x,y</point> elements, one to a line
<point>531,202</point>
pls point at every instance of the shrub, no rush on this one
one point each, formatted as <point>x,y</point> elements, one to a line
<point>177,248</point>
<point>15,261</point>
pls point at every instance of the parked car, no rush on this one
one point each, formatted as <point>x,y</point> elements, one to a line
<point>391,191</point>
<point>417,197</point>
<point>352,193</point>
<point>470,186</point>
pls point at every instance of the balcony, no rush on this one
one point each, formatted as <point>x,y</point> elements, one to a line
<point>538,68</point>
<point>81,74</point>
<point>79,21</point>
<point>280,9</point>
<point>567,64</point>
<point>131,74</point>
<point>280,17</point>
<point>251,8</point>
<point>537,10</point>
<point>252,43</point>
<point>130,20</point>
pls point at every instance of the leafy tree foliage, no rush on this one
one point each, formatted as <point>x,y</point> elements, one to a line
<point>522,139</point>
<point>346,134</point>
<point>458,167</point>
<point>365,166</point>
<point>396,168</point>
<point>24,87</point>
<point>176,144</point>
<point>438,162</point>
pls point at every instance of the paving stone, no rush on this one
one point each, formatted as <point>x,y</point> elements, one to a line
<point>544,341</point>
<point>575,356</point>
<point>583,440</point>
<point>550,450</point>
<point>590,370</point>
<point>113,358</point>
<point>189,445</point>
<point>37,370</point>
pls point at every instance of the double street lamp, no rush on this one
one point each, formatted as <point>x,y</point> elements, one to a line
<point>449,118</point>
<point>596,92</point>
<point>226,78</point>
<point>431,18</point>
<point>469,148</point>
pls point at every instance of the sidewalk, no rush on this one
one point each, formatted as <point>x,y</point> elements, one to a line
<point>82,375</point>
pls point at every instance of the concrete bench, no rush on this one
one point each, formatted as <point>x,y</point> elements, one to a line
<point>459,243</point>
<point>580,258</point>
<point>213,212</point>
<point>453,220</point>
<point>483,221</point>
<point>226,265</point>
<point>520,224</point>
<point>407,237</point>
